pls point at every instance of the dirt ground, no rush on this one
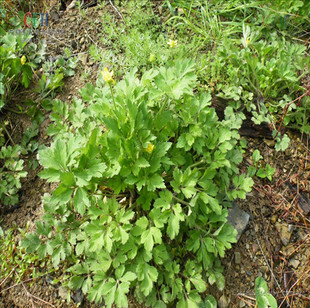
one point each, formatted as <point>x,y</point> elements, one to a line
<point>275,244</point>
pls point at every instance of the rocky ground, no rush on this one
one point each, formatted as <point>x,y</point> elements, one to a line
<point>275,243</point>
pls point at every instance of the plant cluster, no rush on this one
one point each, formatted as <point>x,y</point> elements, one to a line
<point>14,66</point>
<point>19,56</point>
<point>11,172</point>
<point>140,40</point>
<point>146,172</point>
<point>54,73</point>
<point>249,59</point>
<point>257,168</point>
<point>263,298</point>
<point>14,262</point>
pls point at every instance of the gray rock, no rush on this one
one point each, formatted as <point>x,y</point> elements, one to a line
<point>49,279</point>
<point>241,304</point>
<point>290,228</point>
<point>83,58</point>
<point>62,292</point>
<point>237,257</point>
<point>238,218</point>
<point>78,296</point>
<point>223,302</point>
<point>294,263</point>
<point>285,234</point>
<point>72,5</point>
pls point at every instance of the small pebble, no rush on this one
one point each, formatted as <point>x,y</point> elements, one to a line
<point>237,257</point>
<point>241,304</point>
<point>294,263</point>
<point>62,293</point>
<point>223,302</point>
<point>274,219</point>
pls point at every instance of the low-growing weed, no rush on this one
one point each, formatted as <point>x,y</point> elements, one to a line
<point>263,298</point>
<point>14,262</point>
<point>251,57</point>
<point>141,40</point>
<point>11,172</point>
<point>54,72</point>
<point>257,168</point>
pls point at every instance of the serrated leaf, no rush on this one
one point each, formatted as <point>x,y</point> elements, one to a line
<point>164,201</point>
<point>42,250</point>
<point>256,155</point>
<point>124,235</point>
<point>174,221</point>
<point>76,282</point>
<point>149,237</point>
<point>57,255</point>
<point>108,291</point>
<point>154,182</point>
<point>31,243</point>
<point>51,175</point>
<point>147,275</point>
<point>120,295</point>
<point>86,285</point>
<point>199,283</point>
<point>81,201</point>
<point>129,276</point>
<point>282,144</point>
<point>263,297</point>
<point>210,302</point>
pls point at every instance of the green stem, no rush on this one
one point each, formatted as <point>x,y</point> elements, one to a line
<point>180,200</point>
<point>112,95</point>
<point>12,110</point>
<point>9,136</point>
<point>197,164</point>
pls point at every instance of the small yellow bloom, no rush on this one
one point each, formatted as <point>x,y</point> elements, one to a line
<point>23,60</point>
<point>150,148</point>
<point>172,43</point>
<point>247,41</point>
<point>107,76</point>
<point>152,57</point>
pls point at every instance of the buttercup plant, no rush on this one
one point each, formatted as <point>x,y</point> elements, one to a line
<point>144,186</point>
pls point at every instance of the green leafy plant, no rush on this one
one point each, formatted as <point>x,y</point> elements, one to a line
<point>258,170</point>
<point>11,171</point>
<point>282,142</point>
<point>14,262</point>
<point>249,59</point>
<point>54,72</point>
<point>139,41</point>
<point>146,172</point>
<point>270,70</point>
<point>263,298</point>
<point>14,66</point>
<point>19,56</point>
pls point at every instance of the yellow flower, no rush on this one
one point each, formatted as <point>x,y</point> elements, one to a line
<point>23,60</point>
<point>107,76</point>
<point>150,148</point>
<point>172,43</point>
<point>247,41</point>
<point>152,57</point>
